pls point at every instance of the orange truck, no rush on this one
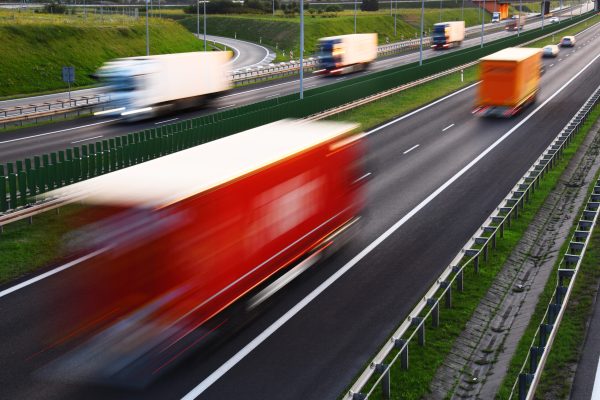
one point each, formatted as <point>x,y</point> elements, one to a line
<point>510,81</point>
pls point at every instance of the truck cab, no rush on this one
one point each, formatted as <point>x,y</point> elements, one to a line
<point>329,53</point>
<point>495,17</point>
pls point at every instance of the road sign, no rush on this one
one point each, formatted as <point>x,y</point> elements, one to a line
<point>68,74</point>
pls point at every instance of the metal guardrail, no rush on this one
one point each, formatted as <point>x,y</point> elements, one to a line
<point>568,268</point>
<point>476,249</point>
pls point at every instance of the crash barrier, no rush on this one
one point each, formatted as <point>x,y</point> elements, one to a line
<point>376,378</point>
<point>22,180</point>
<point>568,268</point>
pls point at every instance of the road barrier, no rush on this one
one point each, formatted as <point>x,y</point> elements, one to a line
<point>568,268</point>
<point>23,180</point>
<point>394,354</point>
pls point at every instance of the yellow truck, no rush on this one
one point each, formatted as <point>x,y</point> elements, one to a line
<point>509,81</point>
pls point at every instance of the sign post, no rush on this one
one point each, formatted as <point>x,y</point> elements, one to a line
<point>68,76</point>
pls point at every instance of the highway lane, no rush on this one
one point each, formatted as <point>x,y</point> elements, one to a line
<point>318,351</point>
<point>43,139</point>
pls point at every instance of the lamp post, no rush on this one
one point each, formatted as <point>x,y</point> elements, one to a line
<point>204,1</point>
<point>482,22</point>
<point>355,3</point>
<point>147,32</point>
<point>422,22</point>
<point>302,47</point>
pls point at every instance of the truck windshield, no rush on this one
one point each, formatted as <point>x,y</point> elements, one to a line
<point>439,29</point>
<point>121,83</point>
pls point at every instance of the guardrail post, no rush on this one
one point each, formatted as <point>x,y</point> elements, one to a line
<point>448,295</point>
<point>559,294</point>
<point>524,380</point>
<point>545,329</point>
<point>534,353</point>
<point>399,343</point>
<point>418,322</point>
<point>435,312</point>
<point>385,381</point>
<point>459,278</point>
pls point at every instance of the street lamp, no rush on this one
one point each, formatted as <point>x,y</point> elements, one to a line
<point>482,22</point>
<point>302,47</point>
<point>147,32</point>
<point>355,2</point>
<point>422,22</point>
<point>198,21</point>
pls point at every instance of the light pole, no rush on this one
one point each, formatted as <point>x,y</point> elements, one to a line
<point>440,10</point>
<point>422,22</point>
<point>395,17</point>
<point>543,12</point>
<point>204,1</point>
<point>462,11</point>
<point>147,32</point>
<point>519,19</point>
<point>482,22</point>
<point>355,3</point>
<point>302,47</point>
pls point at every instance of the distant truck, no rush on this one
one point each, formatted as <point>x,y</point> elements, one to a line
<point>194,240</point>
<point>142,87</point>
<point>517,22</point>
<point>509,81</point>
<point>448,34</point>
<point>346,53</point>
<point>495,17</point>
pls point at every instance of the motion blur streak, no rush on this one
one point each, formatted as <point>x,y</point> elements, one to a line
<point>195,235</point>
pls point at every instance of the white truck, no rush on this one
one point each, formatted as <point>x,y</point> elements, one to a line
<point>448,34</point>
<point>143,87</point>
<point>495,17</point>
<point>346,53</point>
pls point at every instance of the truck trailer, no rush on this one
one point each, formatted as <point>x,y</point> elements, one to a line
<point>344,54</point>
<point>142,87</point>
<point>190,241</point>
<point>509,81</point>
<point>448,34</point>
<point>517,22</point>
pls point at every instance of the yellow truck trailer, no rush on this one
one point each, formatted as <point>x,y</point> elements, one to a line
<point>509,81</point>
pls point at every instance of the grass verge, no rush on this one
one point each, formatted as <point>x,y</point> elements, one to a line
<point>571,333</point>
<point>25,248</point>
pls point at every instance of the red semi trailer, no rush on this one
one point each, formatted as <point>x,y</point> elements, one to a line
<point>214,228</point>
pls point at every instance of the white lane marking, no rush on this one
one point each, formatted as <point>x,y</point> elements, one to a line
<point>264,58</point>
<point>560,59</point>
<point>165,121</point>
<point>294,82</point>
<point>264,335</point>
<point>272,95</point>
<point>448,127</point>
<point>421,109</point>
<point>50,273</point>
<point>62,130</point>
<point>551,65</point>
<point>83,140</point>
<point>411,149</point>
<point>596,389</point>
<point>231,105</point>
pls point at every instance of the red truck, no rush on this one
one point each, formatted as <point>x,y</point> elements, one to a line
<point>198,237</point>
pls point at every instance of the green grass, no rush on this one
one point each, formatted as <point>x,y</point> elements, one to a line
<point>25,248</point>
<point>570,340</point>
<point>283,33</point>
<point>34,48</point>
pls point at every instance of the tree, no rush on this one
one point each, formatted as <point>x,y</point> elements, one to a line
<point>369,5</point>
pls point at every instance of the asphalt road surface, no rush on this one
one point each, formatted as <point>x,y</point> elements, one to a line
<point>437,174</point>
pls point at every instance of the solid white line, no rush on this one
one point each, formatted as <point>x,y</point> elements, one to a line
<point>596,389</point>
<point>551,65</point>
<point>448,127</point>
<point>264,335</point>
<point>294,82</point>
<point>168,120</point>
<point>272,95</point>
<point>231,105</point>
<point>411,149</point>
<point>62,130</point>
<point>49,273</point>
<point>83,140</point>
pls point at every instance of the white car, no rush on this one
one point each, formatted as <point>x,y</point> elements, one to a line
<point>550,51</point>
<point>567,41</point>
<point>554,20</point>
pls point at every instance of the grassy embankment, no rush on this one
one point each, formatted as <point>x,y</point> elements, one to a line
<point>283,33</point>
<point>34,47</point>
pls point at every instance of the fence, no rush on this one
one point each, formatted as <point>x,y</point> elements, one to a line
<point>527,382</point>
<point>473,254</point>
<point>22,180</point>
